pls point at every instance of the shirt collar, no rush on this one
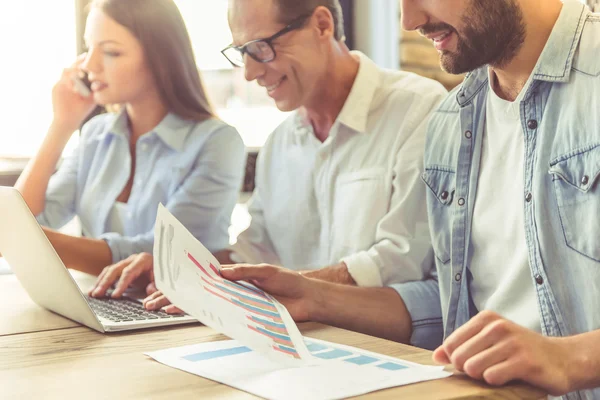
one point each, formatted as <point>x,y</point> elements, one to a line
<point>120,125</point>
<point>172,130</point>
<point>355,112</point>
<point>557,58</point>
<point>554,64</point>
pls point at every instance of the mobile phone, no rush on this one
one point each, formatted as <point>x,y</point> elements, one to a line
<point>82,84</point>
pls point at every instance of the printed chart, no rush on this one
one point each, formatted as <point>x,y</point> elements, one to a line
<point>344,371</point>
<point>262,315</point>
<point>189,275</point>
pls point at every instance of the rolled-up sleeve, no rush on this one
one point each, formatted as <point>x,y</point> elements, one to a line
<point>422,299</point>
<point>122,247</point>
<point>204,201</point>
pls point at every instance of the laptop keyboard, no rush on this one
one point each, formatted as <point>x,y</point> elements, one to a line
<point>125,310</point>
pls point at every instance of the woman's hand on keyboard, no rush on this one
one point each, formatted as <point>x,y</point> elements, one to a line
<point>157,300</point>
<point>137,268</point>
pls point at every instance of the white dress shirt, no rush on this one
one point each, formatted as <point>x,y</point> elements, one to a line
<point>357,197</point>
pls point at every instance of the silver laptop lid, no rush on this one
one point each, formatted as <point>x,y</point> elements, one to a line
<point>35,263</point>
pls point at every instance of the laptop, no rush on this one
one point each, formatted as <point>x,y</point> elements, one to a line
<point>49,283</point>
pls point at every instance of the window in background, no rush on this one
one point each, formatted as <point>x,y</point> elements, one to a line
<point>38,40</point>
<point>243,105</point>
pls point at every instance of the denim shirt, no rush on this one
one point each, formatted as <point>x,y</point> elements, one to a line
<point>560,115</point>
<point>194,168</point>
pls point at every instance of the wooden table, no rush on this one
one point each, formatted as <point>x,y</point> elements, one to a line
<point>50,357</point>
<point>19,314</point>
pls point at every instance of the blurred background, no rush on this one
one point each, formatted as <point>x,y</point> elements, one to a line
<point>39,38</point>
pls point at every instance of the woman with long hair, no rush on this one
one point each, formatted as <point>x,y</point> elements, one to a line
<point>162,145</point>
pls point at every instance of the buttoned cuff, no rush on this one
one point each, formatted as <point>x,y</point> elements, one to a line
<point>363,269</point>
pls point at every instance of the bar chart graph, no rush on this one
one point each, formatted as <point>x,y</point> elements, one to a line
<point>262,316</point>
<point>328,352</point>
<point>214,354</point>
<point>322,350</point>
<point>343,371</point>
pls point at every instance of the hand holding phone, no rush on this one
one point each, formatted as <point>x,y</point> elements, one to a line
<point>82,84</point>
<point>72,99</point>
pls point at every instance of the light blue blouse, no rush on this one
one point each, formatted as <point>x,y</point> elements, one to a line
<point>194,168</point>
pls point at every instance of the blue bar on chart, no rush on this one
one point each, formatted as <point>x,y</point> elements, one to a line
<point>267,323</point>
<point>274,335</point>
<point>256,310</point>
<point>243,297</point>
<point>362,360</point>
<point>391,366</point>
<point>333,354</point>
<point>314,347</point>
<point>209,355</point>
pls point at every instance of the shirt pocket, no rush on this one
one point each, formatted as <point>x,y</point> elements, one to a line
<point>576,181</point>
<point>360,202</point>
<point>441,182</point>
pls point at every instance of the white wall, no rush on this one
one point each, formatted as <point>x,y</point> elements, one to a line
<point>377,31</point>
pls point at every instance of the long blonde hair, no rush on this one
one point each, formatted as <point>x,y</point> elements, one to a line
<point>160,28</point>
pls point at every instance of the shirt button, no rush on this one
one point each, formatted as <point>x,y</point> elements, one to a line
<point>461,202</point>
<point>585,180</point>
<point>539,280</point>
<point>444,195</point>
<point>532,124</point>
<point>529,197</point>
<point>468,134</point>
<point>458,277</point>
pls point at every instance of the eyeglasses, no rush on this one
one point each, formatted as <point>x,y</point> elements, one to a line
<point>261,50</point>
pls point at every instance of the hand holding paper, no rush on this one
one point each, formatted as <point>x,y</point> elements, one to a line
<point>190,276</point>
<point>269,357</point>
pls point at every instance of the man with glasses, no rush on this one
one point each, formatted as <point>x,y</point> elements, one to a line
<point>261,50</point>
<point>337,187</point>
<point>338,193</point>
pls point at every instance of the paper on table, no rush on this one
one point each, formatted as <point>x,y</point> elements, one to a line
<point>188,274</point>
<point>348,371</point>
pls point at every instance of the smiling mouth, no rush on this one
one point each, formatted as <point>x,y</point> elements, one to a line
<point>441,37</point>
<point>276,85</point>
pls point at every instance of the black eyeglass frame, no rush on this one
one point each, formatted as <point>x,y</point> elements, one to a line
<point>292,26</point>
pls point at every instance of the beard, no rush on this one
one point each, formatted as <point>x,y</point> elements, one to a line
<point>492,33</point>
